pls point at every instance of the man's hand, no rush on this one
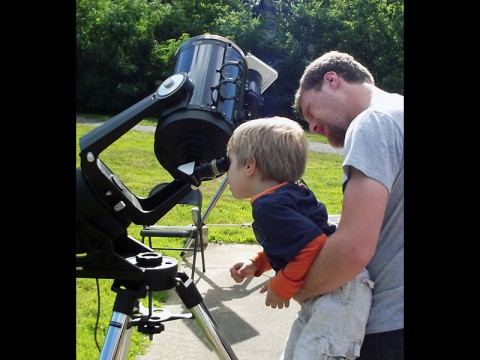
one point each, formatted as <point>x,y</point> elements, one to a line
<point>272,299</point>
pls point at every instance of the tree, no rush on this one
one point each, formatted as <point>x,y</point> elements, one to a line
<point>126,48</point>
<point>114,52</point>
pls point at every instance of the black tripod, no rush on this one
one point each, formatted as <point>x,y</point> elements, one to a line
<point>129,312</point>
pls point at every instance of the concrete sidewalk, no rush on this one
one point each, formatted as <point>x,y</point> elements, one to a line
<point>253,330</point>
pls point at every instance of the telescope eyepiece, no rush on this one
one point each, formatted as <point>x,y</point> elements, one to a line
<point>213,169</point>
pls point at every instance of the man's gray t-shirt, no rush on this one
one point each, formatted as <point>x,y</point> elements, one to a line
<point>374,145</point>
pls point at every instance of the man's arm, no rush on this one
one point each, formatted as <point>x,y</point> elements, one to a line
<point>287,281</point>
<point>351,247</point>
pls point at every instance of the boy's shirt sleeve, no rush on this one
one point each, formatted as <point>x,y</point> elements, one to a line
<point>261,262</point>
<point>288,280</point>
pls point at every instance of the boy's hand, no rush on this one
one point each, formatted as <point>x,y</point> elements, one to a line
<point>272,299</point>
<point>242,270</point>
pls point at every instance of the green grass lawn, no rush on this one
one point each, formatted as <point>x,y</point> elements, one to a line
<point>132,159</point>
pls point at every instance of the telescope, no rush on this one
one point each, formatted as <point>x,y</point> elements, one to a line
<point>214,88</point>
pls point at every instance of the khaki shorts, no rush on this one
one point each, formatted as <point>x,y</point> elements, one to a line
<point>333,325</point>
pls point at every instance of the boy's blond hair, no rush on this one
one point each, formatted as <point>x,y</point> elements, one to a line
<point>278,145</point>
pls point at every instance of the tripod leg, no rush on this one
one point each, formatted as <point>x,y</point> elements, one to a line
<point>117,341</point>
<point>212,331</point>
<point>119,335</point>
<point>193,300</point>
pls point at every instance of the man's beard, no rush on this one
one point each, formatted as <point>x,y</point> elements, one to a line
<point>336,136</point>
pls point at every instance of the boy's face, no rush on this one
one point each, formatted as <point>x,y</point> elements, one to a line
<point>237,178</point>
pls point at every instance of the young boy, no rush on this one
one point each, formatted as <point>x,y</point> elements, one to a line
<point>268,158</point>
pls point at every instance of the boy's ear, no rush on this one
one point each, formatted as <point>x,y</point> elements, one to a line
<point>250,167</point>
